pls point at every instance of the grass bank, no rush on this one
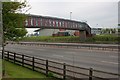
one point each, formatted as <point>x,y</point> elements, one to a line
<point>16,71</point>
<point>73,39</point>
<point>51,39</point>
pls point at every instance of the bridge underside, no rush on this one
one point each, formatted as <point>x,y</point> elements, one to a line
<point>83,34</point>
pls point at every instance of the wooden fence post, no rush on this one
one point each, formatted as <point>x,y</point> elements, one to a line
<point>33,60</point>
<point>14,57</point>
<point>90,73</point>
<point>22,60</point>
<point>46,67</point>
<point>2,54</point>
<point>64,71</point>
<point>8,56</point>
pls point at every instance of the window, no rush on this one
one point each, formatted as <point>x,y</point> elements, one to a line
<point>68,24</point>
<point>63,23</point>
<point>75,25</point>
<point>26,22</point>
<point>41,21</point>
<point>31,21</point>
<point>36,21</point>
<point>56,23</point>
<point>49,22</point>
<point>60,23</point>
<point>53,23</point>
<point>46,23</point>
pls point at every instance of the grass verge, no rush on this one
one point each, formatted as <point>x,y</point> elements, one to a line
<point>110,39</point>
<point>16,71</point>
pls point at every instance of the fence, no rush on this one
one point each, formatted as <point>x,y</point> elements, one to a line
<point>59,70</point>
<point>98,47</point>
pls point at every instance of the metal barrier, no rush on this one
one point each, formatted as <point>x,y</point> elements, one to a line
<point>60,70</point>
<point>98,47</point>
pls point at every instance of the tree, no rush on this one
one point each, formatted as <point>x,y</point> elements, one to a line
<point>13,20</point>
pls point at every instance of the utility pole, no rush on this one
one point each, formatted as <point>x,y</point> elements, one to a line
<point>2,39</point>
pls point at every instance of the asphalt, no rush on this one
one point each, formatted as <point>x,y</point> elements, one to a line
<point>96,59</point>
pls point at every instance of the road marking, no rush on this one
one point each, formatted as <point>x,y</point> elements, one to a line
<point>70,52</point>
<point>109,62</point>
<point>57,55</point>
<point>114,56</point>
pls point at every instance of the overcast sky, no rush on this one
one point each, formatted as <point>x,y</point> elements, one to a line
<point>97,13</point>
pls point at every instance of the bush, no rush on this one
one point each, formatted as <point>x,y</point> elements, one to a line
<point>103,39</point>
<point>94,39</point>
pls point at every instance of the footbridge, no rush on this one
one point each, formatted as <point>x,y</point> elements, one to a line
<point>35,21</point>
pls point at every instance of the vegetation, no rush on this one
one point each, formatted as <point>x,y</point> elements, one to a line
<point>0,68</point>
<point>103,39</point>
<point>13,19</point>
<point>52,39</point>
<point>94,39</point>
<point>16,71</point>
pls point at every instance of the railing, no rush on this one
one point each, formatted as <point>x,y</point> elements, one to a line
<point>59,70</point>
<point>98,47</point>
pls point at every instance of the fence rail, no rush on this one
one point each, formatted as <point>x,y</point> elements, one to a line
<point>60,70</point>
<point>98,47</point>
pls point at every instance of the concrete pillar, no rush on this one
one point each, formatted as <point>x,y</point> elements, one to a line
<point>82,35</point>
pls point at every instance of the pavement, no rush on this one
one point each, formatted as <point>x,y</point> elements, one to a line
<point>97,59</point>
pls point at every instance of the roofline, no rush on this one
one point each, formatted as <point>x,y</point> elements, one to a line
<point>55,18</point>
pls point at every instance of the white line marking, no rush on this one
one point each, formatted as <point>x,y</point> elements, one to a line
<point>70,52</point>
<point>109,62</point>
<point>114,56</point>
<point>57,55</point>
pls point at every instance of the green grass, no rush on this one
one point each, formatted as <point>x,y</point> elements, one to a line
<point>52,39</point>
<point>0,68</point>
<point>16,71</point>
<point>105,38</point>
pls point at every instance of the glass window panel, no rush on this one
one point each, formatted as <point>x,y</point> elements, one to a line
<point>26,22</point>
<point>41,21</point>
<point>31,20</point>
<point>56,23</point>
<point>36,21</point>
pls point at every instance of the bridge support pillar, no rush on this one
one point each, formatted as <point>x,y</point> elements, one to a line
<point>82,35</point>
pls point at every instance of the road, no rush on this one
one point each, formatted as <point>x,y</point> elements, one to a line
<point>97,59</point>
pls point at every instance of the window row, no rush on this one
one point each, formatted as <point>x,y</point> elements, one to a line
<point>51,23</point>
